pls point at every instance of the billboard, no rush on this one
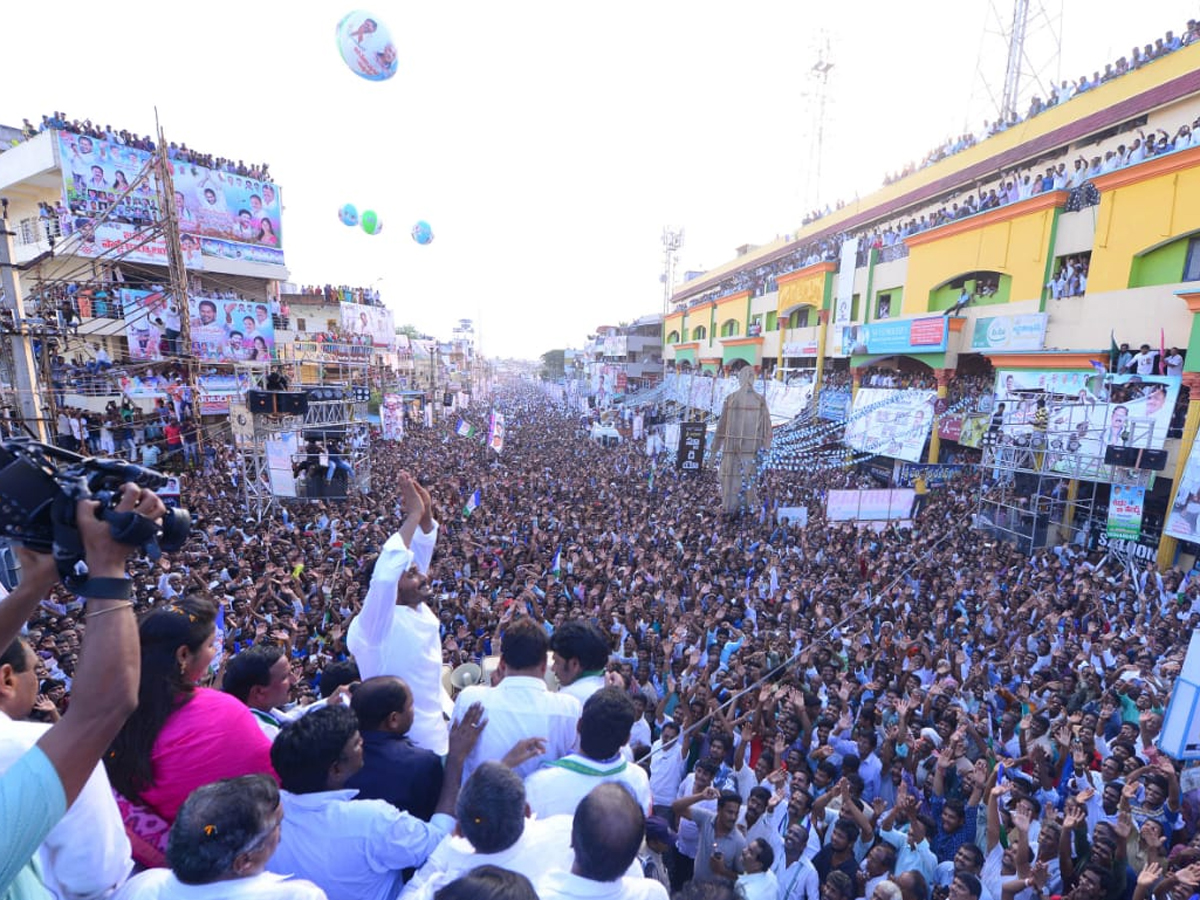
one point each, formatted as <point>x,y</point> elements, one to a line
<point>1088,413</point>
<point>391,417</point>
<point>221,215</point>
<point>843,303</point>
<point>890,422</point>
<point>372,321</point>
<point>223,330</point>
<point>1183,520</point>
<point>869,506</point>
<point>927,335</point>
<point>1010,332</point>
<point>1126,503</point>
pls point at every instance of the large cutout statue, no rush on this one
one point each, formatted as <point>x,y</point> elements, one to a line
<point>744,429</point>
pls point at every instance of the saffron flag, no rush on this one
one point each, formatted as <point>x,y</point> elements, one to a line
<point>472,504</point>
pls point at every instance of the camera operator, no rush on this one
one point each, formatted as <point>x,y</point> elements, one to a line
<point>36,791</point>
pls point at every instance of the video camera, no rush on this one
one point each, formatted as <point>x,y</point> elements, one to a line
<point>38,499</point>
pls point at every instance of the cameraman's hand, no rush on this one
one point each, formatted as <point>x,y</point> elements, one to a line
<point>38,569</point>
<point>105,557</point>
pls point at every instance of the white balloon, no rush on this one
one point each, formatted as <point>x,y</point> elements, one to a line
<point>366,46</point>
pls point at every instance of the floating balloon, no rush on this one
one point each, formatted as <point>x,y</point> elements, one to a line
<point>422,232</point>
<point>370,222</point>
<point>349,215</point>
<point>366,46</point>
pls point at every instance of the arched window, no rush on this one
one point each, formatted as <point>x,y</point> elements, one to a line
<point>699,333</point>
<point>673,337</point>
<point>731,328</point>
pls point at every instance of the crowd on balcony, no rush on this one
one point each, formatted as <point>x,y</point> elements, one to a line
<point>1070,279</point>
<point>367,296</point>
<point>59,121</point>
<point>1061,93</point>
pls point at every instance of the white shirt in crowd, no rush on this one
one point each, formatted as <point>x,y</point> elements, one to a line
<point>87,854</point>
<point>520,707</point>
<point>388,639</point>
<point>161,884</point>
<point>582,688</point>
<point>557,788</point>
<point>562,885</point>
<point>352,849</point>
<point>543,846</point>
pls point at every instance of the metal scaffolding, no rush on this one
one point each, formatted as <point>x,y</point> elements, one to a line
<point>1042,491</point>
<point>253,431</point>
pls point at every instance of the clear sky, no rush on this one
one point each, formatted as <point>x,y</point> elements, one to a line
<point>547,143</point>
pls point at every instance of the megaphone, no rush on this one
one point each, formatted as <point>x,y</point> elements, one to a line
<point>466,675</point>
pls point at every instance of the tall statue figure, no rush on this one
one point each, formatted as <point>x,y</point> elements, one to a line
<point>744,429</point>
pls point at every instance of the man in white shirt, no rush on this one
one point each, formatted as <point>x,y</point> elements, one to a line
<point>667,757</point>
<point>494,828</point>
<point>353,849</point>
<point>757,881</point>
<point>1143,361</point>
<point>557,788</point>
<point>606,834</point>
<point>219,846</point>
<point>521,706</point>
<point>397,633</point>
<point>795,875</point>
<point>580,654</point>
<point>87,853</point>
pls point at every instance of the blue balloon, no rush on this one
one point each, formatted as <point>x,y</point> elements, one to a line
<point>422,232</point>
<point>349,215</point>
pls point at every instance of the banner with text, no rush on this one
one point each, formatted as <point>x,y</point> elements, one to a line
<point>869,506</point>
<point>890,422</point>
<point>375,322</point>
<point>1010,332</point>
<point>1183,520</point>
<point>1126,503</point>
<point>242,214</point>
<point>896,336</point>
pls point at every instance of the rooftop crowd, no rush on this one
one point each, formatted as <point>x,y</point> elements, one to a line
<point>750,706</point>
<point>1072,175</point>
<point>60,121</point>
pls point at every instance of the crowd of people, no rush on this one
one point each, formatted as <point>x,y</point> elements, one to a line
<point>1074,176</point>
<point>368,296</point>
<point>744,706</point>
<point>60,122</point>
<point>1060,93</point>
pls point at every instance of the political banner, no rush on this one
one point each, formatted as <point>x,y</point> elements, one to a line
<point>1126,503</point>
<point>496,432</point>
<point>884,504</point>
<point>1013,385</point>
<point>690,455</point>
<point>391,417</point>
<point>1088,416</point>
<point>217,392</point>
<point>374,322</point>
<point>235,210</point>
<point>280,453</point>
<point>843,303</point>
<point>890,422</point>
<point>834,404</point>
<point>1183,520</point>
<point>236,330</point>
<point>1026,332</point>
<point>935,474</point>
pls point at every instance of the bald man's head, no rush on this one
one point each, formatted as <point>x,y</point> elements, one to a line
<point>607,833</point>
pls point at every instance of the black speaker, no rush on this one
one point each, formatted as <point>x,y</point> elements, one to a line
<point>292,403</point>
<point>261,401</point>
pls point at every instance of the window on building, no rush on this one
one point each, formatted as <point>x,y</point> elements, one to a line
<point>799,317</point>
<point>772,321</point>
<point>699,333</point>
<point>731,328</point>
<point>883,306</point>
<point>1191,268</point>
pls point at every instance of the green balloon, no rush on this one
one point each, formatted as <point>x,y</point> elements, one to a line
<point>370,222</point>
